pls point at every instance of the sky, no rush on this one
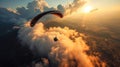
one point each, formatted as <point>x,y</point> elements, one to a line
<point>13,3</point>
<point>18,3</point>
<point>103,3</point>
<point>102,6</point>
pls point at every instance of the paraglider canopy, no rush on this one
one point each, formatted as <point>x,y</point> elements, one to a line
<point>36,18</point>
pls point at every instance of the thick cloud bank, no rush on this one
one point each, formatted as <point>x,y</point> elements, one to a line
<point>66,9</point>
<point>22,14</point>
<point>68,51</point>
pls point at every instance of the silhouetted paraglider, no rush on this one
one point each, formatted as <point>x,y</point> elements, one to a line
<point>55,39</point>
<point>36,18</point>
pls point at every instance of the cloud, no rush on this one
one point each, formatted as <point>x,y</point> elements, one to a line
<point>71,7</point>
<point>13,11</point>
<point>75,6</point>
<point>69,50</point>
<point>10,18</point>
<point>28,12</point>
<point>61,8</point>
<point>42,4</point>
<point>7,15</point>
<point>21,14</point>
<point>66,9</point>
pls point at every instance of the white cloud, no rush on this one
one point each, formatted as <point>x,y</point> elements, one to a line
<point>41,4</point>
<point>69,50</point>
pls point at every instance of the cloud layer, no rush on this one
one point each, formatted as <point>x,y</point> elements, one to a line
<point>68,51</point>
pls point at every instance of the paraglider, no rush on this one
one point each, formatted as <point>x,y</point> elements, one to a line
<point>55,39</point>
<point>36,18</point>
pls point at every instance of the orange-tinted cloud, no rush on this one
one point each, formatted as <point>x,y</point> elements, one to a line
<point>69,50</point>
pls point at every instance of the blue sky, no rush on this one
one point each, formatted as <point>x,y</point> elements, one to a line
<point>17,3</point>
<point>13,3</point>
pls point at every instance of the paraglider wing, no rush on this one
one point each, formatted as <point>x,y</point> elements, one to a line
<point>36,18</point>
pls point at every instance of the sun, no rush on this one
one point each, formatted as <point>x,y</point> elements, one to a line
<point>87,9</point>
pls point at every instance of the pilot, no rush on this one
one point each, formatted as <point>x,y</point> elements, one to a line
<point>55,39</point>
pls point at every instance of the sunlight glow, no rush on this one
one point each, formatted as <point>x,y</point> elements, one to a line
<point>87,9</point>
